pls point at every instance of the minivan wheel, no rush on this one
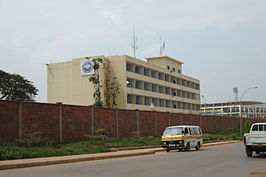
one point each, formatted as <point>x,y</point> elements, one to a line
<point>167,150</point>
<point>198,146</point>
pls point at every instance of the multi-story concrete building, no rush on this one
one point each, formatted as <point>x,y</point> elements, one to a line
<point>157,84</point>
<point>247,109</point>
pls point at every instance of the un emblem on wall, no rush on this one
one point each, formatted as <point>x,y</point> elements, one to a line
<point>87,67</point>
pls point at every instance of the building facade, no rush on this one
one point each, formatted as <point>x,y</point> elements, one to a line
<point>246,109</point>
<point>157,84</point>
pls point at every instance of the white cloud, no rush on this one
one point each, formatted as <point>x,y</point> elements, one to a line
<point>114,16</point>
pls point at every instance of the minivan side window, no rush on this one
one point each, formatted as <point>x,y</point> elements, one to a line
<point>255,128</point>
<point>200,131</point>
<point>186,131</point>
<point>193,131</point>
<point>197,131</point>
<point>260,127</point>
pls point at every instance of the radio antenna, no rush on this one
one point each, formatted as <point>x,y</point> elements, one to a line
<point>134,44</point>
<point>162,46</point>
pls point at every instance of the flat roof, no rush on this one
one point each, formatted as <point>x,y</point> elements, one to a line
<point>233,103</point>
<point>165,58</point>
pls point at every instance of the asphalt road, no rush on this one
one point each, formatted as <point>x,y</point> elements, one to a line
<point>221,161</point>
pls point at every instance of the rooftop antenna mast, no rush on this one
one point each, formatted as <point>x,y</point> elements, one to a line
<point>162,46</point>
<point>235,90</point>
<point>135,41</point>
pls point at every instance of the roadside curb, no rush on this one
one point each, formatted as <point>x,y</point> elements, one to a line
<point>22,163</point>
<point>222,143</point>
<point>122,152</point>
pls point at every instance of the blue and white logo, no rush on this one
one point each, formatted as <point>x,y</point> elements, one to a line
<point>86,67</point>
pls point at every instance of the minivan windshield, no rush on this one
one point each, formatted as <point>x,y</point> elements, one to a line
<point>173,131</point>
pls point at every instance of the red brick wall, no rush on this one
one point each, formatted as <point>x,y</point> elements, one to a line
<point>146,123</point>
<point>8,121</point>
<point>77,121</point>
<point>105,120</point>
<point>42,118</point>
<point>127,124</point>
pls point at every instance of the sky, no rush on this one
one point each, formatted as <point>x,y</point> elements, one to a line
<point>221,42</point>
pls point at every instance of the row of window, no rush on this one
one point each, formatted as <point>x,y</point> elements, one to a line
<point>259,128</point>
<point>161,76</point>
<point>236,110</point>
<point>161,89</point>
<point>143,100</point>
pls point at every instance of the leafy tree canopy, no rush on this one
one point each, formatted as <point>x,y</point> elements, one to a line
<point>15,87</point>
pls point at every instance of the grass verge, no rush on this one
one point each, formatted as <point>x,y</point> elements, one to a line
<point>9,151</point>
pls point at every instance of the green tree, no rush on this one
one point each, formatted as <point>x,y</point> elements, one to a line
<point>95,79</point>
<point>111,87</point>
<point>247,126</point>
<point>15,87</point>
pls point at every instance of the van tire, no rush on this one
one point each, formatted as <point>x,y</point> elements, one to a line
<point>167,150</point>
<point>198,146</point>
<point>187,147</point>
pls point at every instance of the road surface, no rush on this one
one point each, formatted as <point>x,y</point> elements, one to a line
<point>220,161</point>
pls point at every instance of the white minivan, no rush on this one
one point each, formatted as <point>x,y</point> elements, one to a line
<point>182,137</point>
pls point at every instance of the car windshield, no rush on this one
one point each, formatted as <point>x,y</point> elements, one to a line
<point>173,131</point>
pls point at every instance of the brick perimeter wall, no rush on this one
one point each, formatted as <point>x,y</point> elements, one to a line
<point>78,121</point>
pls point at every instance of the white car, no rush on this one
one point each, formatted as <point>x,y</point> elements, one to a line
<point>255,140</point>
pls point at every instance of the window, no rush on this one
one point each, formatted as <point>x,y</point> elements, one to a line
<point>145,86</point>
<point>137,99</point>
<point>159,75</point>
<point>128,67</point>
<point>260,127</point>
<point>128,83</point>
<point>137,84</point>
<point>197,131</point>
<point>152,74</point>
<point>146,100</point>
<point>255,128</point>
<point>192,132</point>
<point>160,103</point>
<point>173,80</point>
<point>173,69</point>
<point>128,98</point>
<point>186,131</point>
<point>160,90</point>
<point>145,72</point>
<point>179,71</point>
<point>152,88</point>
<point>137,69</point>
<point>167,103</point>
<point>168,67</point>
<point>153,101</point>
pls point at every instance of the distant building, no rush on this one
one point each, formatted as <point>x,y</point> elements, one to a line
<point>157,84</point>
<point>247,109</point>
